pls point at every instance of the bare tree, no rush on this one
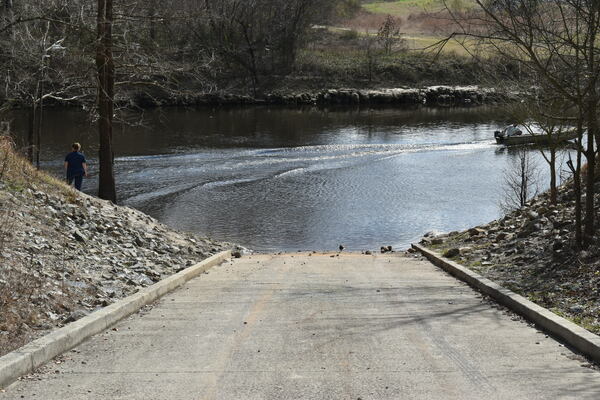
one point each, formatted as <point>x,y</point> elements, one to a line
<point>521,180</point>
<point>260,37</point>
<point>389,34</point>
<point>558,40</point>
<point>372,53</point>
<point>36,67</point>
<point>549,116</point>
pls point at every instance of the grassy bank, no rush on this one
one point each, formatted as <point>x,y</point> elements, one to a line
<point>353,68</point>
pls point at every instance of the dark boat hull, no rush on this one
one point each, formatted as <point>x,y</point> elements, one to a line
<point>535,139</point>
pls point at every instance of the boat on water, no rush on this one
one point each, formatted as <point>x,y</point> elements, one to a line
<point>512,135</point>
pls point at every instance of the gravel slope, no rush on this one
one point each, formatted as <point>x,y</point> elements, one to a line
<point>64,254</point>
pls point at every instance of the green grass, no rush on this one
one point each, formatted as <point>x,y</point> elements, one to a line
<point>418,36</point>
<point>588,323</point>
<point>349,66</point>
<point>429,42</point>
<point>413,41</point>
<point>402,8</point>
<point>585,322</point>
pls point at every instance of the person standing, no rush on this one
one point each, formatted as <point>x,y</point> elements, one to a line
<point>75,166</point>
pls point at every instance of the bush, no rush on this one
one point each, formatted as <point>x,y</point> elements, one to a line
<point>349,34</point>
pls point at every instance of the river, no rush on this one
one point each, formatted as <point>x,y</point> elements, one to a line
<point>300,179</point>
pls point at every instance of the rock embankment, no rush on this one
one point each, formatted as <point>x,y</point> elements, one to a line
<point>438,96</point>
<point>531,252</point>
<point>64,255</point>
<point>433,96</point>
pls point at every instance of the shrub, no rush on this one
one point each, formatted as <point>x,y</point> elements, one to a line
<point>349,34</point>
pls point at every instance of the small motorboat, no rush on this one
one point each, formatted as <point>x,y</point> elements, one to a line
<point>512,135</point>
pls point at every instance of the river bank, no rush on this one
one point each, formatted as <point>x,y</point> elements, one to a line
<point>64,254</point>
<point>531,252</point>
<point>429,96</point>
<point>434,96</point>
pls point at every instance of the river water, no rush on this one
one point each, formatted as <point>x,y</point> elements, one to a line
<point>300,179</point>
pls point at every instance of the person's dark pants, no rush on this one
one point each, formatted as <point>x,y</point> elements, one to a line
<point>77,179</point>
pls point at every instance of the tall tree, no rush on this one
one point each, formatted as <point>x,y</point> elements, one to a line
<point>106,89</point>
<point>558,40</point>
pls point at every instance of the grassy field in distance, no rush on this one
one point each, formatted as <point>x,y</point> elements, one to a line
<point>403,8</point>
<point>423,23</point>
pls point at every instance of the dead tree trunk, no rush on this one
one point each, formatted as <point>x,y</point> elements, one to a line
<point>152,20</point>
<point>578,208</point>
<point>590,155</point>
<point>31,134</point>
<point>553,189</point>
<point>578,205</point>
<point>40,121</point>
<point>106,84</point>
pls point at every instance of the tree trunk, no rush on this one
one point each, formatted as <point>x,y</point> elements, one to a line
<point>30,133</point>
<point>106,83</point>
<point>577,185</point>
<point>578,211</point>
<point>592,127</point>
<point>590,154</point>
<point>40,121</point>
<point>253,60</point>
<point>553,191</point>
<point>152,20</point>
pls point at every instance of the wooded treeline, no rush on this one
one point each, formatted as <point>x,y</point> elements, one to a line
<point>92,52</point>
<point>176,45</point>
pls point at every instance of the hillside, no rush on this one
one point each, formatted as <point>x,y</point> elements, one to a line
<point>64,254</point>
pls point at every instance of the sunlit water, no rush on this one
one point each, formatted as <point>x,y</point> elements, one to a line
<point>281,179</point>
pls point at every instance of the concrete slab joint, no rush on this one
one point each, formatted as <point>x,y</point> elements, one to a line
<point>571,334</point>
<point>31,356</point>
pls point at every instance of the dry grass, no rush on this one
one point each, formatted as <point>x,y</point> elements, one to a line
<point>18,288</point>
<point>415,16</point>
<point>21,278</point>
<point>18,174</point>
<point>423,23</point>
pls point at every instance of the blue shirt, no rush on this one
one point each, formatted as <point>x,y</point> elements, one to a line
<point>75,162</point>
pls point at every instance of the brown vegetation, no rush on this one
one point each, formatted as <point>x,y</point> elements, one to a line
<point>415,20</point>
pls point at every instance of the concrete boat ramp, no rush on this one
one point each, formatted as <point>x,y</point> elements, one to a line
<point>299,326</point>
